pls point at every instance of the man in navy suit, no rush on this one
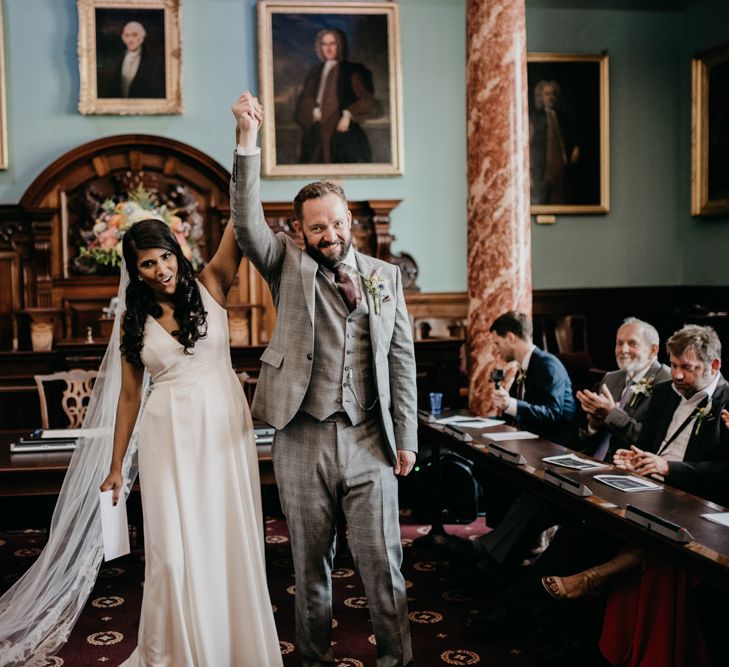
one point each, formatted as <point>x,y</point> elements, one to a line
<point>540,398</point>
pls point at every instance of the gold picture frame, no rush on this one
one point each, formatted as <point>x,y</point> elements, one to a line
<point>710,132</point>
<point>305,133</point>
<point>129,57</point>
<point>3,105</point>
<point>569,133</point>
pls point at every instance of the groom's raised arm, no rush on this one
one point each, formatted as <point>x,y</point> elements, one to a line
<point>254,236</point>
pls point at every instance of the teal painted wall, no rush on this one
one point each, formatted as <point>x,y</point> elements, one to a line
<point>706,239</point>
<point>639,241</point>
<point>219,46</point>
<point>648,238</point>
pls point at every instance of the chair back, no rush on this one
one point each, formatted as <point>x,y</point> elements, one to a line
<point>76,392</point>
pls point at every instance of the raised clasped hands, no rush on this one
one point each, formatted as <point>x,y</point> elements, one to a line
<point>248,114</point>
<point>641,463</point>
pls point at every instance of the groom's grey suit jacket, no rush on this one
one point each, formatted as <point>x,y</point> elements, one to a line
<point>287,361</point>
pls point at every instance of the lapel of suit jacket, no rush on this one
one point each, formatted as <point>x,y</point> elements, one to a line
<point>650,377</point>
<point>366,268</point>
<point>695,440</point>
<point>309,267</point>
<point>616,385</point>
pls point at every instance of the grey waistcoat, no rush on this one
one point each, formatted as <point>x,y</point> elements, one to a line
<point>342,374</point>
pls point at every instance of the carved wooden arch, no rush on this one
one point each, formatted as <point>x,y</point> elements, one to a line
<point>110,166</point>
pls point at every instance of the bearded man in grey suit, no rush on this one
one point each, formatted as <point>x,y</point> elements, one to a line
<point>337,383</point>
<point>615,413</point>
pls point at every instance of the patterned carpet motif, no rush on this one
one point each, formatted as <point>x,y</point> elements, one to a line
<point>106,631</point>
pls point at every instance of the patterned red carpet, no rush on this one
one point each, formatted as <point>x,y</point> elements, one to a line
<point>106,631</point>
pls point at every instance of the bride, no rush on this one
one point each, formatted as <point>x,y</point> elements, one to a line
<point>205,599</point>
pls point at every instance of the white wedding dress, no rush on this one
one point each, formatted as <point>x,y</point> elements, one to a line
<point>205,602</point>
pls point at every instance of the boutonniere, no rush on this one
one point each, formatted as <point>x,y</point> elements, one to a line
<point>374,286</point>
<point>702,415</point>
<point>644,387</point>
<point>521,376</point>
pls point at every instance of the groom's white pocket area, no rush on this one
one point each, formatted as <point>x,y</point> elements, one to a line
<point>114,527</point>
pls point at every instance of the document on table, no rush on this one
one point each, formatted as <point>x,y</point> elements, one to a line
<point>573,461</point>
<point>511,435</point>
<point>114,528</point>
<point>470,422</point>
<point>628,483</point>
<point>721,518</point>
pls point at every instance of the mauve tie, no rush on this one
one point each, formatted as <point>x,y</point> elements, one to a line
<point>346,287</point>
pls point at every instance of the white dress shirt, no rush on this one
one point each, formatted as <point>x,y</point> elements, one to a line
<point>511,408</point>
<point>676,450</point>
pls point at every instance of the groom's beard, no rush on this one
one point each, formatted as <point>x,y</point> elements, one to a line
<point>330,263</point>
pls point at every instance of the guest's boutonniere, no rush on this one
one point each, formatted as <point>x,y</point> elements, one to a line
<point>374,286</point>
<point>702,415</point>
<point>644,387</point>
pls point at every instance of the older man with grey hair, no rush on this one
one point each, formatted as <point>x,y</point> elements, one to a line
<point>615,413</point>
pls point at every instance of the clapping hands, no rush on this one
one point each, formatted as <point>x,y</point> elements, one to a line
<point>596,405</point>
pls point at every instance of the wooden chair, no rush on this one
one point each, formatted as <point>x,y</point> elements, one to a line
<point>74,398</point>
<point>566,337</point>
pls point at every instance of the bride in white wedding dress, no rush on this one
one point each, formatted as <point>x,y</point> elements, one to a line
<point>205,599</point>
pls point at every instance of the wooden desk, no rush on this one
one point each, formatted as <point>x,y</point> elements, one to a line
<point>707,555</point>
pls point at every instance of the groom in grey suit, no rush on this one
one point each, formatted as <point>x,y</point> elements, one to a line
<point>337,383</point>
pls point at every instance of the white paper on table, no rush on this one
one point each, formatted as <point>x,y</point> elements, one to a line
<point>61,433</point>
<point>470,422</point>
<point>512,435</point>
<point>721,518</point>
<point>628,483</point>
<point>75,432</point>
<point>114,528</point>
<point>573,461</point>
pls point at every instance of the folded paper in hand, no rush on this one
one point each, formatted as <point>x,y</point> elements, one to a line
<point>114,525</point>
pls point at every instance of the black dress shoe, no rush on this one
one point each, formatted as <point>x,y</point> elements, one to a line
<point>498,622</point>
<point>455,548</point>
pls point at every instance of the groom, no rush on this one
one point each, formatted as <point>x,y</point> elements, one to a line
<point>338,383</point>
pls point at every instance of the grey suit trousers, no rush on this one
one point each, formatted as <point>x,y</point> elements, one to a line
<point>319,465</point>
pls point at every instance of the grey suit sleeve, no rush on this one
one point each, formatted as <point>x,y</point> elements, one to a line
<point>254,236</point>
<point>621,423</point>
<point>403,388</point>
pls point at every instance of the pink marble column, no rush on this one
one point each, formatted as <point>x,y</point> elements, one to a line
<point>499,241</point>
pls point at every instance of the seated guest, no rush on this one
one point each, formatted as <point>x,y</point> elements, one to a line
<point>612,419</point>
<point>615,413</point>
<point>540,398</point>
<point>684,444</point>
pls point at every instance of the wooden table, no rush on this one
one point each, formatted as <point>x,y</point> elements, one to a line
<point>707,555</point>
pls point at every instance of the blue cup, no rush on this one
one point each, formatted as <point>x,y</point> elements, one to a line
<point>436,402</point>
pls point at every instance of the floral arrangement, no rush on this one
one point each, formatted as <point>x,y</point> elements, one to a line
<point>114,217</point>
<point>701,415</point>
<point>374,286</point>
<point>644,387</point>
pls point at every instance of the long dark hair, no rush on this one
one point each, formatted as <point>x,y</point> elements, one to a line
<point>142,300</point>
